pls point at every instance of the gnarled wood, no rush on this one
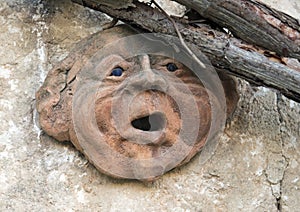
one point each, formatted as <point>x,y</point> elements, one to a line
<point>254,22</point>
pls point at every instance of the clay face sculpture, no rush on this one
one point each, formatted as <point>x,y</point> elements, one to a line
<point>133,117</point>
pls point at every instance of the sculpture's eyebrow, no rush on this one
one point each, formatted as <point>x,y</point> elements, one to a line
<point>110,62</point>
<point>162,60</point>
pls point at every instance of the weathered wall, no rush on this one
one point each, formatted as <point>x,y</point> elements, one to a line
<point>255,167</point>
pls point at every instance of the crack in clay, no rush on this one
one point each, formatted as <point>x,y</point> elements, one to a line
<point>276,187</point>
<point>276,184</point>
<point>279,203</point>
<point>279,199</point>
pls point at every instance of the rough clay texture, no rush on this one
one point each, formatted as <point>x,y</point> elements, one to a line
<point>256,166</point>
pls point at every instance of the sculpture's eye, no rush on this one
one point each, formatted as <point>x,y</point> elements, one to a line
<point>172,67</point>
<point>117,72</point>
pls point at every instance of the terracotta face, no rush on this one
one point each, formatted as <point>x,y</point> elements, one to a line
<point>148,115</point>
<point>153,122</point>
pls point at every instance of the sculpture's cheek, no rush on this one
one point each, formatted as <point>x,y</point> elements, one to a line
<point>103,116</point>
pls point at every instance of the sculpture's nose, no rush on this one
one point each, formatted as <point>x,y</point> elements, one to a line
<point>147,122</point>
<point>145,62</point>
<point>149,78</point>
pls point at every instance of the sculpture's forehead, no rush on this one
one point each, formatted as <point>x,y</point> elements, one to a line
<point>153,59</point>
<point>156,62</point>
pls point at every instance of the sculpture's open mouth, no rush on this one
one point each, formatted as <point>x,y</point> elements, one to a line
<point>153,122</point>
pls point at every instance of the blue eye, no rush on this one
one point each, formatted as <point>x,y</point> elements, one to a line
<point>117,72</point>
<point>172,67</point>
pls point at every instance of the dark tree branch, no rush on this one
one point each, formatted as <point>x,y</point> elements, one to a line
<point>254,22</point>
<point>226,53</point>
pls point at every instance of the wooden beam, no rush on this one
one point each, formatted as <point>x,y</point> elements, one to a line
<point>254,22</point>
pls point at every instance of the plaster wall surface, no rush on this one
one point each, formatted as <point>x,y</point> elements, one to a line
<point>256,166</point>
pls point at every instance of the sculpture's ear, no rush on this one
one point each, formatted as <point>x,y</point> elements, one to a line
<point>52,104</point>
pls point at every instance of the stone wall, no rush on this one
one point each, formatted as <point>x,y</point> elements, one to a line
<point>256,166</point>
